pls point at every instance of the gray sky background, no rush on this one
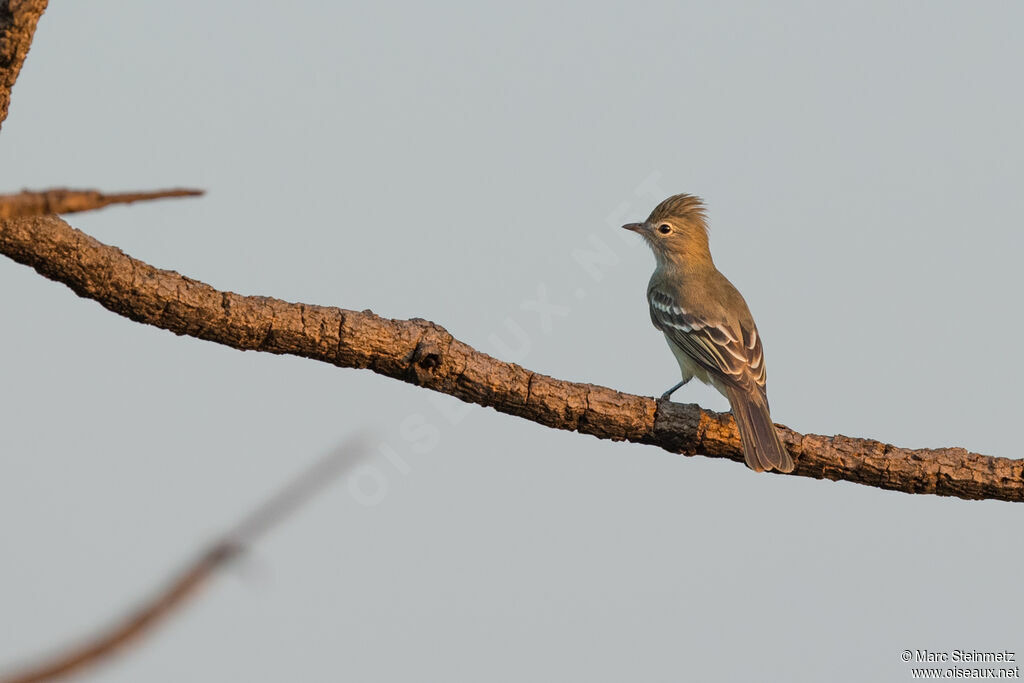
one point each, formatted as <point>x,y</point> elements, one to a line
<point>862,168</point>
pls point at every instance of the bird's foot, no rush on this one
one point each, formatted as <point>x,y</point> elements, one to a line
<point>668,394</point>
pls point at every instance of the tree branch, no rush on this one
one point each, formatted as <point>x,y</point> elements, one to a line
<point>18,19</point>
<point>63,200</point>
<point>154,611</point>
<point>423,353</point>
<point>188,582</point>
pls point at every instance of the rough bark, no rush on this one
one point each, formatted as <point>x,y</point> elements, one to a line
<point>423,353</point>
<point>18,19</point>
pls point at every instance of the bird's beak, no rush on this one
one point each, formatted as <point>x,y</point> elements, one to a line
<point>635,227</point>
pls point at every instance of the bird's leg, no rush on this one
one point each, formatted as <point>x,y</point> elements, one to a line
<point>667,394</point>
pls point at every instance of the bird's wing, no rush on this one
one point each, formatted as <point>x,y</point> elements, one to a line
<point>732,353</point>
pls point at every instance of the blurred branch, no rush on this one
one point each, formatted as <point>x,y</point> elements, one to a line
<point>174,595</point>
<point>188,582</point>
<point>18,19</point>
<point>63,200</point>
<point>423,353</point>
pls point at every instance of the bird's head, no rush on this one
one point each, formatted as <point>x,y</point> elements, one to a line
<point>676,229</point>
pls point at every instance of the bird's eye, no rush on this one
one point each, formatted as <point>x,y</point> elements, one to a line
<point>664,229</point>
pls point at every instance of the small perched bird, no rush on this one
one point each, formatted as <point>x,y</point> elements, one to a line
<point>708,326</point>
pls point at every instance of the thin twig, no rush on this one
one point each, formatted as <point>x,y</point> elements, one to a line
<point>256,524</point>
<point>64,200</point>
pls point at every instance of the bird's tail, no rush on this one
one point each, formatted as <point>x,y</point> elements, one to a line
<point>762,448</point>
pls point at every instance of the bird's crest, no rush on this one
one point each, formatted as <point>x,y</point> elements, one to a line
<point>680,206</point>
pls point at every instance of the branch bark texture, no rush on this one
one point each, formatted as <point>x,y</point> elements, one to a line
<point>423,353</point>
<point>18,19</point>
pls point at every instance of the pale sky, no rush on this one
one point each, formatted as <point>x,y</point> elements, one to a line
<point>862,170</point>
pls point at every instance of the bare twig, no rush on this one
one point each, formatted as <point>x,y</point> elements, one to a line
<point>63,200</point>
<point>423,353</point>
<point>175,594</point>
<point>187,583</point>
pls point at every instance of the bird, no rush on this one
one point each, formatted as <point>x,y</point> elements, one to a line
<point>708,325</point>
